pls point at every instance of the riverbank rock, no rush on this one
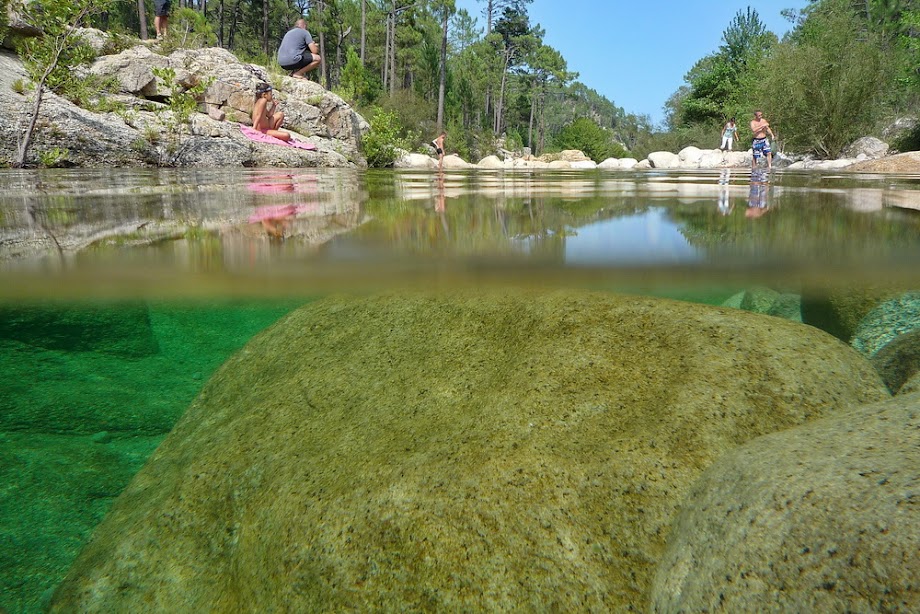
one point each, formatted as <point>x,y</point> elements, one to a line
<point>144,132</point>
<point>819,518</point>
<point>409,159</point>
<point>866,148</point>
<point>624,164</point>
<point>901,163</point>
<point>474,451</point>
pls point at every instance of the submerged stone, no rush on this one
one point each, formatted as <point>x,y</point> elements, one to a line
<point>898,361</point>
<point>820,518</point>
<point>890,319</point>
<point>504,451</point>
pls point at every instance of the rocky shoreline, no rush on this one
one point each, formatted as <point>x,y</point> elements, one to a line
<point>143,130</point>
<point>870,156</point>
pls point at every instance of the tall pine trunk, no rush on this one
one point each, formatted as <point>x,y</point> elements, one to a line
<point>323,64</point>
<point>443,85</point>
<point>363,28</point>
<point>265,47</point>
<point>393,53</point>
<point>220,23</point>
<point>142,17</point>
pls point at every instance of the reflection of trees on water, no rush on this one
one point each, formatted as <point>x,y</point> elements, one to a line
<point>513,215</point>
<point>826,225</point>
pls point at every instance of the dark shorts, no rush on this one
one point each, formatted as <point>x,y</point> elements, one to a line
<point>306,59</point>
<point>161,7</point>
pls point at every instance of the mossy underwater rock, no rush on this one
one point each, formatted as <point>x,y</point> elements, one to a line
<point>890,319</point>
<point>898,361</point>
<point>470,451</point>
<point>819,518</point>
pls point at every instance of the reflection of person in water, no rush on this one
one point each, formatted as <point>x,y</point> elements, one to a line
<point>758,198</point>
<point>725,203</point>
<point>440,205</point>
<point>275,219</point>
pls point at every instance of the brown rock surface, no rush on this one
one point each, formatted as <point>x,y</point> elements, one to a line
<point>901,163</point>
<point>468,452</point>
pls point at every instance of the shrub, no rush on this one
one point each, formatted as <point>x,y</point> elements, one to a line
<point>383,139</point>
<point>597,143</point>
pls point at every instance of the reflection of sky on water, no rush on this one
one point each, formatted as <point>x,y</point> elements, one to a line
<point>649,238</point>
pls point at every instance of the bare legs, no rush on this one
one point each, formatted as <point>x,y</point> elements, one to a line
<point>301,72</point>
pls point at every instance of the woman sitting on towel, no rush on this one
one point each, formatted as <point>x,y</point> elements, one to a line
<point>265,115</point>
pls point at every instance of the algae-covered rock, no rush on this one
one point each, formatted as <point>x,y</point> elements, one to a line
<point>898,361</point>
<point>820,518</point>
<point>759,300</point>
<point>767,301</point>
<point>467,452</point>
<point>840,312</point>
<point>890,319</point>
<point>788,306</point>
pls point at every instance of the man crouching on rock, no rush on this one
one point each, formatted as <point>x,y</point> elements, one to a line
<point>298,53</point>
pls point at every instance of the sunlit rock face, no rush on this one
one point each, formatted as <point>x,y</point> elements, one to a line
<point>473,451</point>
<point>147,135</point>
<point>819,518</point>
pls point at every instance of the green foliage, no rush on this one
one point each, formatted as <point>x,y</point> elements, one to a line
<point>52,57</point>
<point>188,29</point>
<point>182,101</point>
<point>909,141</point>
<point>384,138</point>
<point>719,85</point>
<point>20,86</point>
<point>825,84</point>
<point>356,84</point>
<point>4,18</point>
<point>53,157</point>
<point>909,42</point>
<point>596,142</point>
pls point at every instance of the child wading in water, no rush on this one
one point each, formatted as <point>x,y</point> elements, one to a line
<point>265,115</point>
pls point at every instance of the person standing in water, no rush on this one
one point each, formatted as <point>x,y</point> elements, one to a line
<point>728,135</point>
<point>439,148</point>
<point>761,144</point>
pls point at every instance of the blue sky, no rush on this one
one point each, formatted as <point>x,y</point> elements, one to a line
<point>637,53</point>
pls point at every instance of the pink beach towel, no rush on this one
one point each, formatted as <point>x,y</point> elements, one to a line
<point>259,137</point>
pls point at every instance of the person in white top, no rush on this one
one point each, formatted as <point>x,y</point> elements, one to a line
<point>728,134</point>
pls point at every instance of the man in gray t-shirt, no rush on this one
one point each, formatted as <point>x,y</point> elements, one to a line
<point>298,52</point>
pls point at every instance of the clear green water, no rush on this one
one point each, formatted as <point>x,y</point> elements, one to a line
<point>122,291</point>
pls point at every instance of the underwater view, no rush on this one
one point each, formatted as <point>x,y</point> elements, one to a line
<point>326,389</point>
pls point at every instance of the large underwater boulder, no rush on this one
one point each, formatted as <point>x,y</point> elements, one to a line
<point>898,361</point>
<point>890,319</point>
<point>463,452</point>
<point>820,518</point>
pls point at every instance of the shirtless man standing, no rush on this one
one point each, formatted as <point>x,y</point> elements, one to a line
<point>761,145</point>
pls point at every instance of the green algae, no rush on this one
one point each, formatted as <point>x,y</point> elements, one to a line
<point>470,451</point>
